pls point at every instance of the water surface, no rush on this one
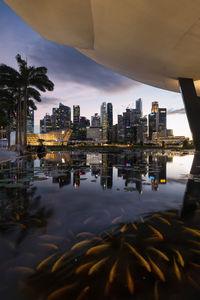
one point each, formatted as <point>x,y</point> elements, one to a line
<point>94,226</point>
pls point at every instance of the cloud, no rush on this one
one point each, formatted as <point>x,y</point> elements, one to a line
<point>66,64</point>
<point>176,111</point>
<point>49,101</point>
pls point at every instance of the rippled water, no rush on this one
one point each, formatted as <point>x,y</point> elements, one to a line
<point>95,226</point>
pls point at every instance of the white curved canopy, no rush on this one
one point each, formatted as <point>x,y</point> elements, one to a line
<point>151,41</point>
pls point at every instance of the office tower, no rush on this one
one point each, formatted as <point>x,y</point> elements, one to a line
<point>76,114</point>
<point>46,124</point>
<point>110,114</point>
<point>152,124</point>
<point>95,121</point>
<point>154,108</point>
<point>42,126</point>
<point>55,119</point>
<point>61,117</point>
<point>129,121</point>
<point>139,106</point>
<point>84,123</point>
<point>120,129</point>
<point>104,122</point>
<point>76,121</point>
<point>143,123</point>
<point>30,121</point>
<point>161,125</point>
<point>64,116</point>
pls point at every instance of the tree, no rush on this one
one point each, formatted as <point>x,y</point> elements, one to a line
<point>7,110</point>
<point>25,84</point>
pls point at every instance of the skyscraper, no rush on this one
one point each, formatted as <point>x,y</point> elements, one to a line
<point>154,108</point>
<point>46,124</point>
<point>30,121</point>
<point>76,121</point>
<point>61,117</point>
<point>104,122</point>
<point>76,114</point>
<point>161,122</point>
<point>139,106</point>
<point>120,129</point>
<point>110,114</point>
<point>152,124</point>
<point>64,115</point>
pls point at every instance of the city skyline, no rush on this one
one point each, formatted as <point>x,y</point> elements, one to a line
<point>80,80</point>
<point>132,126</point>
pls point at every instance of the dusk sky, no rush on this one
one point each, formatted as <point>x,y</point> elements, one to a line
<point>79,80</point>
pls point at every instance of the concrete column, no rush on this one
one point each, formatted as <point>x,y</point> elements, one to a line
<point>192,108</point>
<point>191,198</point>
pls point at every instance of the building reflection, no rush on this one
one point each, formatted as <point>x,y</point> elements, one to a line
<point>131,167</point>
<point>107,171</point>
<point>157,170</point>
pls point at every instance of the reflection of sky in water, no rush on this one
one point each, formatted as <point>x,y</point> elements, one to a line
<point>83,193</point>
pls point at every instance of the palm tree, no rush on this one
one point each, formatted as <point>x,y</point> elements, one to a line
<point>32,80</point>
<point>25,82</point>
<point>7,110</point>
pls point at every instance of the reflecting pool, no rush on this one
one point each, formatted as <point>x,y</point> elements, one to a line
<point>77,225</point>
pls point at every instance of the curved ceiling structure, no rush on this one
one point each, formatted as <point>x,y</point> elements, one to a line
<point>153,42</point>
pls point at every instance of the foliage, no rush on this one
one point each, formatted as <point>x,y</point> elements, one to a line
<point>23,87</point>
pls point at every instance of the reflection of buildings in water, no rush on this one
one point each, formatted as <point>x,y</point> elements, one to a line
<point>61,157</point>
<point>134,167</point>
<point>107,171</point>
<point>62,180</point>
<point>94,158</point>
<point>191,198</point>
<point>95,171</point>
<point>76,178</point>
<point>157,170</point>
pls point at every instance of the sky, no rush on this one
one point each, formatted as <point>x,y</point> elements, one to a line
<point>78,79</point>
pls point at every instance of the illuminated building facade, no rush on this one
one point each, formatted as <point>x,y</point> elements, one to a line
<point>76,121</point>
<point>30,121</point>
<point>152,124</point>
<point>104,122</point>
<point>161,122</point>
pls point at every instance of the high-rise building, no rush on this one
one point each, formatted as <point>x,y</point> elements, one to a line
<point>61,117</point>
<point>95,121</point>
<point>161,125</point>
<point>84,123</point>
<point>120,129</point>
<point>104,122</point>
<point>152,124</point>
<point>110,114</point>
<point>64,115</point>
<point>143,123</point>
<point>42,126</point>
<point>154,108</point>
<point>139,106</point>
<point>76,121</point>
<point>46,124</point>
<point>30,121</point>
<point>76,114</point>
